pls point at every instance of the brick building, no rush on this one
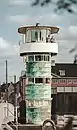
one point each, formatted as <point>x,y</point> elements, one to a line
<point>64,92</point>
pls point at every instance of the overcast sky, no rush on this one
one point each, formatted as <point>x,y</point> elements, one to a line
<point>15,13</point>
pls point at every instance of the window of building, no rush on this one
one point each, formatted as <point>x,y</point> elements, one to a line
<point>31,80</point>
<point>62,72</point>
<point>38,80</point>
<point>46,58</point>
<point>42,57</point>
<point>27,37</point>
<point>38,58</point>
<point>40,35</point>
<point>25,59</point>
<point>31,58</point>
<point>54,90</point>
<point>36,103</point>
<point>68,89</point>
<point>43,35</point>
<point>60,89</point>
<point>47,80</point>
<point>48,32</point>
<point>34,35</point>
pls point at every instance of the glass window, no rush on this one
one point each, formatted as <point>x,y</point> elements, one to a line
<point>48,32</point>
<point>43,35</point>
<point>47,80</point>
<point>60,89</point>
<point>62,72</point>
<point>38,80</point>
<point>68,89</point>
<point>40,35</point>
<point>46,58</point>
<point>38,58</point>
<point>28,36</point>
<point>42,58</point>
<point>34,35</point>
<point>22,38</point>
<point>53,90</point>
<point>25,59</point>
<point>30,58</point>
<point>31,80</point>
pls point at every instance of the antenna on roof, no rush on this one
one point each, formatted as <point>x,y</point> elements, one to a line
<point>37,24</point>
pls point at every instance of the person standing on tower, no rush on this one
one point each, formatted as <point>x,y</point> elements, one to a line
<point>50,38</point>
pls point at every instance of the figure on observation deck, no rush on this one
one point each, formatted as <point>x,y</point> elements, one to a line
<point>50,38</point>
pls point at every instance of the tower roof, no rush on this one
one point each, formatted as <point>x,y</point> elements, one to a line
<point>22,30</point>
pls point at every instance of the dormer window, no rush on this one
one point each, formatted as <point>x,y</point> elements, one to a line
<point>62,72</point>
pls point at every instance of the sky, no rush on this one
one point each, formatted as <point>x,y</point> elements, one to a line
<point>16,13</point>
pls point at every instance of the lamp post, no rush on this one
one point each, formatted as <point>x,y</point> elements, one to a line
<point>6,83</point>
<point>7,88</point>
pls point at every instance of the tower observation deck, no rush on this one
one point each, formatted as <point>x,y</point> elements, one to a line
<point>37,47</point>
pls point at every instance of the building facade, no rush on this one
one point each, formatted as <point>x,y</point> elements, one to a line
<point>64,93</point>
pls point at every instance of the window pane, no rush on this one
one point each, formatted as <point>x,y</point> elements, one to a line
<point>47,80</point>
<point>43,35</point>
<point>30,58</point>
<point>28,36</point>
<point>42,58</point>
<point>40,35</point>
<point>38,58</point>
<point>31,80</point>
<point>34,35</point>
<point>46,58</point>
<point>38,80</point>
<point>48,32</point>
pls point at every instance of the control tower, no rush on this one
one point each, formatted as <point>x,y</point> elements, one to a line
<point>37,48</point>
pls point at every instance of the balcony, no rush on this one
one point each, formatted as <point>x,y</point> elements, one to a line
<point>42,47</point>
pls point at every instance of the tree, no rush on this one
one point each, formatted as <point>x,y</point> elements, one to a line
<point>60,4</point>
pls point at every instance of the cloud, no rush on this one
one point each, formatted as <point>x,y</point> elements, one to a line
<point>18,18</point>
<point>8,48</point>
<point>67,40</point>
<point>42,18</point>
<point>9,52</point>
<point>3,44</point>
<point>63,53</point>
<point>68,33</point>
<point>19,2</point>
<point>45,18</point>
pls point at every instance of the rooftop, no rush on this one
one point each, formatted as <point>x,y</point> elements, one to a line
<point>65,69</point>
<point>23,29</point>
